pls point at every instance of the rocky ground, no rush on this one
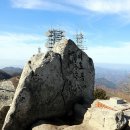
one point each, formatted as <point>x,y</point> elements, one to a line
<point>46,126</point>
<point>94,119</point>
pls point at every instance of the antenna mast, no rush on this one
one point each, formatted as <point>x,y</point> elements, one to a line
<point>39,50</point>
<point>80,40</point>
<point>54,36</point>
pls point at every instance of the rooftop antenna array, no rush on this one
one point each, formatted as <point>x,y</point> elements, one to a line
<point>80,40</point>
<point>54,35</point>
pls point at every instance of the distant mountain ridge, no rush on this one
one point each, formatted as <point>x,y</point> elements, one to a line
<point>4,75</point>
<point>111,78</point>
<point>104,82</point>
<point>122,67</point>
<point>114,75</point>
<point>13,71</point>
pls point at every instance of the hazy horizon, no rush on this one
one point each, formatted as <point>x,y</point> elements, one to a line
<point>21,64</point>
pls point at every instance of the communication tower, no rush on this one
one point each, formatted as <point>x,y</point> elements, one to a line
<point>54,36</point>
<point>80,41</point>
<point>39,50</point>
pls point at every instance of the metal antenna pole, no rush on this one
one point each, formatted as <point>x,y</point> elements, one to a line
<point>80,40</point>
<point>39,50</point>
<point>54,35</point>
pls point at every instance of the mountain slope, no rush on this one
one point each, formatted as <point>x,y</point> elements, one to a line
<point>13,71</point>
<point>4,75</point>
<point>113,75</point>
<point>104,82</point>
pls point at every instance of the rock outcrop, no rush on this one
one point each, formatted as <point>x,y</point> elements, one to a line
<point>104,118</point>
<point>6,93</point>
<point>95,118</point>
<point>51,85</point>
<point>15,81</point>
<point>49,127</point>
<point>6,96</point>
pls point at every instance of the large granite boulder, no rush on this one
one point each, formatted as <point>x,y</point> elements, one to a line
<point>51,85</point>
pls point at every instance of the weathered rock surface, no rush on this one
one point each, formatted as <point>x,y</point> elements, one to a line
<point>94,119</point>
<point>49,127</point>
<point>51,85</point>
<point>6,97</point>
<point>6,93</point>
<point>15,81</point>
<point>56,124</point>
<point>46,126</point>
<point>3,112</point>
<point>127,115</point>
<point>104,119</point>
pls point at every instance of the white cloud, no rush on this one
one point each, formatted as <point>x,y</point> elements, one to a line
<point>117,55</point>
<point>108,6</point>
<point>100,6</point>
<point>32,4</point>
<point>13,37</point>
<point>54,5</point>
<point>19,47</point>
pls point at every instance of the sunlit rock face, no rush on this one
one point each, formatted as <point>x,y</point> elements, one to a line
<point>50,86</point>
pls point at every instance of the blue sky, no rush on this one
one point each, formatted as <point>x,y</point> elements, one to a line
<point>105,24</point>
